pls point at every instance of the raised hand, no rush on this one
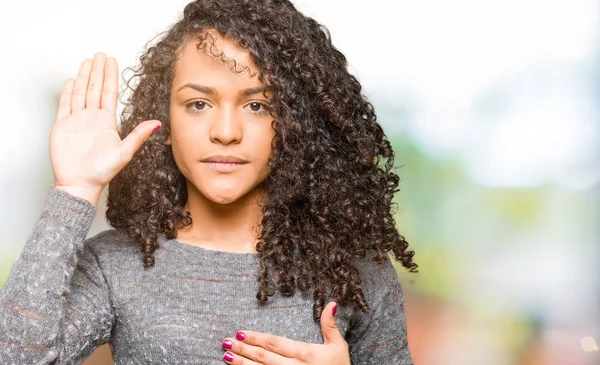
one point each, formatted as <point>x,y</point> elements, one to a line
<point>257,348</point>
<point>86,151</point>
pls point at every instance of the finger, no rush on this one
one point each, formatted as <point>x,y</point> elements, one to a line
<point>94,87</point>
<point>136,138</point>
<point>234,359</point>
<point>64,103</point>
<point>80,88</point>
<point>254,353</point>
<point>110,91</point>
<point>276,344</point>
<point>329,328</point>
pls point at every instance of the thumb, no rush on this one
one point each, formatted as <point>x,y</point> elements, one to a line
<point>329,328</point>
<point>137,137</point>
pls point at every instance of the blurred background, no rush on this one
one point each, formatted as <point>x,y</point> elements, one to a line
<point>493,108</point>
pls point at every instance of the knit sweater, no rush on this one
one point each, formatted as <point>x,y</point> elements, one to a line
<point>67,295</point>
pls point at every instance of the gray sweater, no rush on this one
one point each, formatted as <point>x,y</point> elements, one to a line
<point>67,295</point>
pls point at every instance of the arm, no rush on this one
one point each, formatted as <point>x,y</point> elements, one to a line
<point>380,336</point>
<point>55,306</point>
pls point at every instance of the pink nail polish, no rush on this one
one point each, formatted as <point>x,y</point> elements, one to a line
<point>240,336</point>
<point>334,310</point>
<point>155,129</point>
<point>228,356</point>
<point>227,344</point>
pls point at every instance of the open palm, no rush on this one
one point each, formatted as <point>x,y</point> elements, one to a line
<point>86,150</point>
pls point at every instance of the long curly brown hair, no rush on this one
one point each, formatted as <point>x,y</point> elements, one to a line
<point>329,194</point>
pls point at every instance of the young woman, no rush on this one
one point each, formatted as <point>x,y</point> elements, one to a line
<point>249,191</point>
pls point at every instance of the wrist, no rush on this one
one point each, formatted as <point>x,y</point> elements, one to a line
<point>91,195</point>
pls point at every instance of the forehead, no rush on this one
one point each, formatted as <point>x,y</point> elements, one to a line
<point>218,59</point>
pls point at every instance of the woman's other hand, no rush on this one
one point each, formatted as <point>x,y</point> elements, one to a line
<point>254,348</point>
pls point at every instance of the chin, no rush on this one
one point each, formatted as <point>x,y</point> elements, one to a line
<point>226,191</point>
<point>222,196</point>
<point>223,200</point>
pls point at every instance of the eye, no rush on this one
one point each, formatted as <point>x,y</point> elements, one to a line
<point>256,106</point>
<point>196,106</point>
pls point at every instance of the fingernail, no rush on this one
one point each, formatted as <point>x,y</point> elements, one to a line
<point>334,310</point>
<point>156,128</point>
<point>240,336</point>
<point>228,356</point>
<point>227,344</point>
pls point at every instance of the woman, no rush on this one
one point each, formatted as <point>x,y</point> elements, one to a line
<point>250,191</point>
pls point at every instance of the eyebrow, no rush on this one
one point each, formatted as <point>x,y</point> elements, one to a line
<point>213,91</point>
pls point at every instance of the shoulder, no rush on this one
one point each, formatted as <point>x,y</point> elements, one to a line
<point>110,243</point>
<point>379,281</point>
<point>376,274</point>
<point>109,237</point>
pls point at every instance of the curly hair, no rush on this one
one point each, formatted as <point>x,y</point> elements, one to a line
<point>330,190</point>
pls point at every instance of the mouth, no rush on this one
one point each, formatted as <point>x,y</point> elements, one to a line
<point>229,159</point>
<point>223,166</point>
<point>224,163</point>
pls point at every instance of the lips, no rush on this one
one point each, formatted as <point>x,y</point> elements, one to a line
<point>229,159</point>
<point>224,164</point>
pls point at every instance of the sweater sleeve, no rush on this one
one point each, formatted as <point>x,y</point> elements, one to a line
<point>379,336</point>
<point>55,306</point>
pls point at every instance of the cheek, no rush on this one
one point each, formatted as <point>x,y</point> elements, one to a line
<point>258,143</point>
<point>264,140</point>
<point>266,152</point>
<point>187,149</point>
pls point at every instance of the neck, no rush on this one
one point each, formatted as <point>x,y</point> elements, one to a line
<point>233,227</point>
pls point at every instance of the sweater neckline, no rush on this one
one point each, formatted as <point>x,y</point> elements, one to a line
<point>198,251</point>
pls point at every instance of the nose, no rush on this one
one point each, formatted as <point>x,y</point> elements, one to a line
<point>226,127</point>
